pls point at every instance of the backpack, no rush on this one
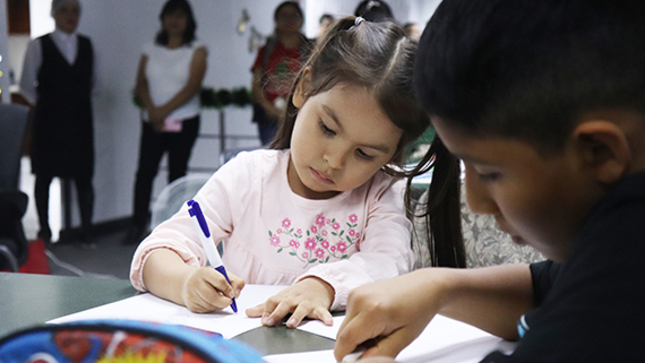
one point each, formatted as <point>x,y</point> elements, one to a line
<point>121,341</point>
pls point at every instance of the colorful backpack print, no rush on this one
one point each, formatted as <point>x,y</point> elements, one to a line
<point>121,341</point>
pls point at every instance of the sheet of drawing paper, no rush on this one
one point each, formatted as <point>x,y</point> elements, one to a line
<point>443,340</point>
<point>148,307</point>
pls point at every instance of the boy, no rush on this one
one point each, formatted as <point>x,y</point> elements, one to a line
<point>544,101</point>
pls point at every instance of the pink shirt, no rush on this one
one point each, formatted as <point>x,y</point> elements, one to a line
<point>273,236</point>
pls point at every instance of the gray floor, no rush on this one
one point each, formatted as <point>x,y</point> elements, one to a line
<point>110,259</point>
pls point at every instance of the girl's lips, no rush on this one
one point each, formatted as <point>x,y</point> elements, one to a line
<point>321,177</point>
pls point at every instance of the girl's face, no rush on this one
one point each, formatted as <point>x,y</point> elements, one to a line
<point>175,22</point>
<point>341,138</point>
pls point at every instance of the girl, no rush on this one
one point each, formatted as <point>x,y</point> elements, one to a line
<point>322,210</point>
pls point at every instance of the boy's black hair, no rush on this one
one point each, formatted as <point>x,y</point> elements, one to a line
<point>191,26</point>
<point>528,69</point>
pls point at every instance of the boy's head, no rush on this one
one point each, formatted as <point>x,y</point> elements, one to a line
<point>544,100</point>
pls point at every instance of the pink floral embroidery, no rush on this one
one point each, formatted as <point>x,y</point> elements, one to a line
<point>342,247</point>
<point>312,245</point>
<point>320,220</point>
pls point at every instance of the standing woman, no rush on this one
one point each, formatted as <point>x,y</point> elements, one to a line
<point>276,66</point>
<point>168,84</point>
<point>57,79</point>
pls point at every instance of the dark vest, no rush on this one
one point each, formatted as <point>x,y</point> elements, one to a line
<point>63,137</point>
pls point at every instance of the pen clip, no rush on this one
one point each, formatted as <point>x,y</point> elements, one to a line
<point>195,211</point>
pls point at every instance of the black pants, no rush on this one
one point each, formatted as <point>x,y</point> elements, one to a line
<point>154,144</point>
<point>85,192</point>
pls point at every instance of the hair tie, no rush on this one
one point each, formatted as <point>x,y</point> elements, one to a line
<point>357,21</point>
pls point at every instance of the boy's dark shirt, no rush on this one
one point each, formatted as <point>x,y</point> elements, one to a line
<point>591,308</point>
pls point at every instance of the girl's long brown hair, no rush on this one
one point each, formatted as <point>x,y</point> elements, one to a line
<point>441,212</point>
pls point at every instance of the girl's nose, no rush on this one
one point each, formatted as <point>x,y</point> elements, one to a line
<point>477,196</point>
<point>335,158</point>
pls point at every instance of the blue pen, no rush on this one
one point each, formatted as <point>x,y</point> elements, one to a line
<point>205,238</point>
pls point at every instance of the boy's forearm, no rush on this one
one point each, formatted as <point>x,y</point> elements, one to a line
<point>491,298</point>
<point>164,275</point>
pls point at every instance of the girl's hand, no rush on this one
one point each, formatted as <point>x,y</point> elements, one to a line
<point>206,290</point>
<point>386,316</point>
<point>309,298</point>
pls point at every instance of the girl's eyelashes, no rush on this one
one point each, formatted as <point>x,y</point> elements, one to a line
<point>489,177</point>
<point>326,129</point>
<point>361,154</point>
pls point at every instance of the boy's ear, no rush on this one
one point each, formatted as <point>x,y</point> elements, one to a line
<point>604,149</point>
<point>300,95</point>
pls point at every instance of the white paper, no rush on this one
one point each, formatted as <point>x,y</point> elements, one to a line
<point>148,307</point>
<point>444,340</point>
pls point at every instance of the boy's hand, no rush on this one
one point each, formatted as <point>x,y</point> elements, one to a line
<point>309,298</point>
<point>386,316</point>
<point>206,290</point>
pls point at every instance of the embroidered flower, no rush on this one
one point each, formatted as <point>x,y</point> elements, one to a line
<point>328,221</point>
<point>279,231</point>
<point>305,255</point>
<point>324,233</point>
<point>275,241</point>
<point>353,218</point>
<point>320,253</point>
<point>333,248</point>
<point>336,225</point>
<point>299,231</point>
<point>286,223</point>
<point>341,246</point>
<point>320,220</point>
<point>324,244</point>
<point>295,244</point>
<point>351,232</point>
<point>310,244</point>
<point>314,229</point>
